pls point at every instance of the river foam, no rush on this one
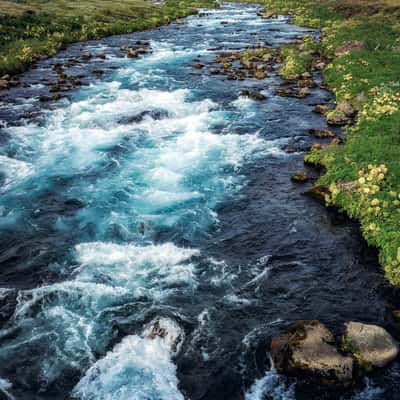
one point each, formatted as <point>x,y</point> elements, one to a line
<point>140,367</point>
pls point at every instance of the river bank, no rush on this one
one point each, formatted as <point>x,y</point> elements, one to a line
<point>361,65</point>
<point>29,32</point>
<point>152,240</point>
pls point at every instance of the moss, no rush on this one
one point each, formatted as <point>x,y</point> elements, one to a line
<point>348,346</point>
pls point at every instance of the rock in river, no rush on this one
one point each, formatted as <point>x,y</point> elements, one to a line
<point>337,117</point>
<point>371,344</point>
<point>253,94</point>
<point>321,109</point>
<point>308,349</point>
<point>299,177</point>
<point>322,133</point>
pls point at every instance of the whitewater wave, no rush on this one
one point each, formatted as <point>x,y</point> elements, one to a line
<point>138,368</point>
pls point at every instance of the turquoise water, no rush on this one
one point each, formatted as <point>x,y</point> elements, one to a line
<point>126,203</point>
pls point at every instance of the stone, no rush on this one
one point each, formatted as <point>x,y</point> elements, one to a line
<point>131,53</point>
<point>259,74</point>
<point>317,146</point>
<point>336,141</point>
<point>179,21</point>
<point>198,66</point>
<point>307,349</point>
<point>4,84</point>
<point>143,43</point>
<point>86,55</point>
<point>102,56</point>
<point>346,108</point>
<point>371,344</point>
<point>350,47</point>
<point>269,14</point>
<point>299,177</point>
<point>267,58</point>
<point>320,65</point>
<point>59,88</point>
<point>167,330</point>
<point>322,133</point>
<point>303,92</point>
<point>359,100</point>
<point>396,314</point>
<point>252,94</point>
<point>246,63</point>
<point>337,117</point>
<point>319,192</point>
<point>306,83</point>
<point>321,109</point>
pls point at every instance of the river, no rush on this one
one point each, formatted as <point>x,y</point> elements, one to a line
<point>156,190</point>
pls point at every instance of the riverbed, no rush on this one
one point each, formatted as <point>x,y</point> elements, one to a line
<point>157,190</point>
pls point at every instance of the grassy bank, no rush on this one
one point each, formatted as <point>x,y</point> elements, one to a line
<point>33,29</point>
<point>363,174</point>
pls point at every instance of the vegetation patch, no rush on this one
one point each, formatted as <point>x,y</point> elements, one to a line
<point>30,30</point>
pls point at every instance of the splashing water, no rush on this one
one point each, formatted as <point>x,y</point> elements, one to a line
<point>156,192</point>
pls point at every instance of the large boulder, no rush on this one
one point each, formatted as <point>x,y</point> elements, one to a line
<point>372,345</point>
<point>307,349</point>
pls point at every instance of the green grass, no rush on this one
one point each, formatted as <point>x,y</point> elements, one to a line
<point>364,173</point>
<point>33,29</point>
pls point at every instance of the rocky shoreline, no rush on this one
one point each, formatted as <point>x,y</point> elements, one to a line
<point>307,348</point>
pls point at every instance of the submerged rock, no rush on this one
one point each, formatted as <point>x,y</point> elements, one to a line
<point>372,345</point>
<point>308,349</point>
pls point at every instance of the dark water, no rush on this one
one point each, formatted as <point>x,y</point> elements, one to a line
<point>156,190</point>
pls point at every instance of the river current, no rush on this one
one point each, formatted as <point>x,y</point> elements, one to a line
<point>157,191</point>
